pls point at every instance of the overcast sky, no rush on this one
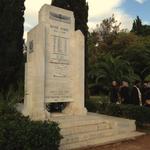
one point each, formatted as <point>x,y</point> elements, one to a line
<point>124,10</point>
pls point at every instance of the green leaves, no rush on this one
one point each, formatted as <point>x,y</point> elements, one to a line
<point>139,57</point>
<point>109,68</point>
<point>19,133</point>
<point>11,42</point>
<point>127,57</point>
<point>140,29</point>
<point>140,114</point>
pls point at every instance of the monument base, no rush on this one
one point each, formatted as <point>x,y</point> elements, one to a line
<point>94,129</point>
<point>43,115</point>
<point>74,109</point>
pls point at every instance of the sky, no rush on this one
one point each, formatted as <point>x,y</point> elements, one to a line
<point>125,11</point>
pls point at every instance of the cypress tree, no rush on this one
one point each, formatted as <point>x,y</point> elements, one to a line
<point>80,9</point>
<point>11,42</point>
<point>137,26</point>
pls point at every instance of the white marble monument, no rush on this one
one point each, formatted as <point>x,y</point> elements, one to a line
<point>54,71</point>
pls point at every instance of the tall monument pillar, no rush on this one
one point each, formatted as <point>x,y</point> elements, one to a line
<point>54,71</point>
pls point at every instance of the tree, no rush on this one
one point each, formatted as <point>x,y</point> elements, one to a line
<point>122,42</point>
<point>117,55</point>
<point>146,30</point>
<point>139,57</point>
<point>105,34</point>
<point>80,9</point>
<point>11,42</point>
<point>77,6</point>
<point>140,29</point>
<point>110,68</point>
<point>137,26</point>
<point>108,29</point>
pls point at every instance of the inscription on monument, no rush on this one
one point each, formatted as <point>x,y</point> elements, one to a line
<point>58,62</point>
<point>60,17</point>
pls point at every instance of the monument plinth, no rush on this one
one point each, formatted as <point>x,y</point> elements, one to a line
<point>55,64</point>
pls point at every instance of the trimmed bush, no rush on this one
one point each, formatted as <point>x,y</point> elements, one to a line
<point>140,114</point>
<point>19,133</point>
<point>92,105</point>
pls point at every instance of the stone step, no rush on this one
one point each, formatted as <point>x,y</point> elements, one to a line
<point>93,129</point>
<point>69,123</point>
<point>92,119</point>
<point>85,128</point>
<point>74,138</point>
<point>100,140</point>
<point>78,137</point>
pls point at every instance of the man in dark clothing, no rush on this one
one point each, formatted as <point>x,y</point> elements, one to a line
<point>145,90</point>
<point>147,101</point>
<point>136,95</point>
<point>114,92</point>
<point>146,95</point>
<point>125,93</point>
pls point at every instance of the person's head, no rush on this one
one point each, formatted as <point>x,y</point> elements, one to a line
<point>125,84</point>
<point>145,84</point>
<point>148,84</point>
<point>114,83</point>
<point>137,83</point>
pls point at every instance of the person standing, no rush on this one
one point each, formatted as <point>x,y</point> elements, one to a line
<point>136,95</point>
<point>125,93</point>
<point>145,90</point>
<point>147,95</point>
<point>114,92</point>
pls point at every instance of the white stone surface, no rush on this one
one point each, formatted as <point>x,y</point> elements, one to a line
<point>55,64</point>
<point>94,129</point>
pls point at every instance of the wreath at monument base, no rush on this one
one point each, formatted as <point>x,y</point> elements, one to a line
<point>56,107</point>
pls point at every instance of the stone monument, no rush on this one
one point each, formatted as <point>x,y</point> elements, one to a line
<point>54,71</point>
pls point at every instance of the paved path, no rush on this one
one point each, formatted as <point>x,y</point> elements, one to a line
<point>141,143</point>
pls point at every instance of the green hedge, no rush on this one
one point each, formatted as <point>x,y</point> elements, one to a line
<point>19,133</point>
<point>140,114</point>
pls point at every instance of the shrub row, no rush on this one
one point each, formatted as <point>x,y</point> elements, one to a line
<point>20,133</point>
<point>140,114</point>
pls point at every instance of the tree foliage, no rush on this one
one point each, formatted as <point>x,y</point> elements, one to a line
<point>109,68</point>
<point>11,41</point>
<point>139,57</point>
<point>108,29</point>
<point>126,57</point>
<point>105,34</point>
<point>77,6</point>
<point>140,29</point>
<point>137,26</point>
